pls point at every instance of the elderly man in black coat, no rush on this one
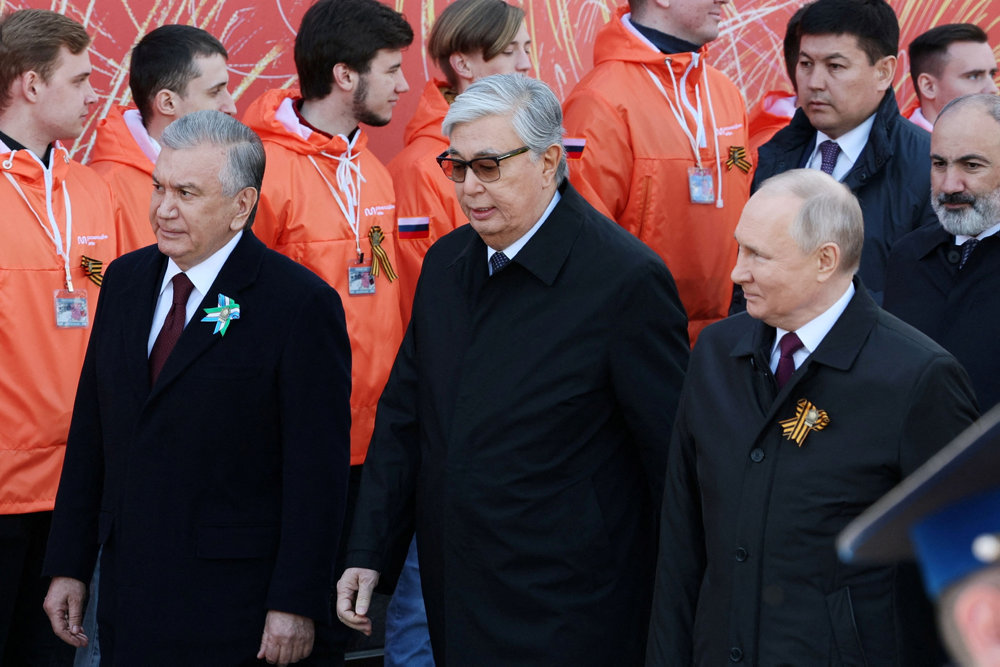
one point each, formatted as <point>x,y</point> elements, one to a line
<point>795,416</point>
<point>527,418</point>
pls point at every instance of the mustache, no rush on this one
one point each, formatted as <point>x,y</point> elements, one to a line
<point>952,198</point>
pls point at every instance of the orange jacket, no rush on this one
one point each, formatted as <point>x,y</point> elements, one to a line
<point>426,205</point>
<point>772,113</point>
<point>299,217</point>
<point>918,119</point>
<point>119,157</point>
<point>41,362</point>
<point>636,160</point>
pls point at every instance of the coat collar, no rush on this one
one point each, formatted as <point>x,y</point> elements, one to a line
<point>839,348</point>
<point>237,274</point>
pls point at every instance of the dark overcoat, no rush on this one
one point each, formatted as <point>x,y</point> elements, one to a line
<point>527,421</point>
<point>748,571</point>
<point>891,179</point>
<point>218,493</point>
<point>960,309</point>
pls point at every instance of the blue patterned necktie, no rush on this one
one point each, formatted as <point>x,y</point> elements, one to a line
<point>498,262</point>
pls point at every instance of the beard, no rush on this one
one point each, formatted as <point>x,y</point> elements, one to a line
<point>359,106</point>
<point>983,212</point>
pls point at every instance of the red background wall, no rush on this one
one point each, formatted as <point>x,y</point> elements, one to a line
<point>259,37</point>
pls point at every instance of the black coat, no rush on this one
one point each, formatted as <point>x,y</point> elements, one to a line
<point>219,493</point>
<point>891,178</point>
<point>527,417</point>
<point>958,309</point>
<point>748,570</point>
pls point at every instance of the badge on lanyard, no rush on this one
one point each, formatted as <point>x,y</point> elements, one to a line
<point>71,308</point>
<point>701,185</point>
<point>359,277</point>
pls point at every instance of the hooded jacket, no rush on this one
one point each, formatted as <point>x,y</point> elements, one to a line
<point>891,179</point>
<point>637,156</point>
<point>41,362</point>
<point>299,216</point>
<point>124,155</point>
<point>426,204</point>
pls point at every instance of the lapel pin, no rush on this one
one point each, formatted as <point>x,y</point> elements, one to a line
<point>227,311</point>
<point>807,419</point>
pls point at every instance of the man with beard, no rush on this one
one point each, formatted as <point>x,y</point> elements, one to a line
<point>943,278</point>
<point>327,201</point>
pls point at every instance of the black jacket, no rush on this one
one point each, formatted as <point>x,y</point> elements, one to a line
<point>527,416</point>
<point>891,179</point>
<point>747,568</point>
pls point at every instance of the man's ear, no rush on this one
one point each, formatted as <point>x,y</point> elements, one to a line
<point>165,102</point>
<point>885,72</point>
<point>460,64</point>
<point>550,162</point>
<point>927,87</point>
<point>828,261</point>
<point>345,77</point>
<point>246,199</point>
<point>27,85</point>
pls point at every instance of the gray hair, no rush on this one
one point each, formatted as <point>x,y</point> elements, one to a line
<point>989,104</point>
<point>830,213</point>
<point>533,108</point>
<point>244,151</point>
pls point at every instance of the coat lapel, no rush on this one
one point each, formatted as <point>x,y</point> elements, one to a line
<point>239,271</point>
<point>140,296</point>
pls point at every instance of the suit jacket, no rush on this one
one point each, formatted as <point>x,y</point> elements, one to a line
<point>218,493</point>
<point>958,309</point>
<point>891,179</point>
<point>748,571</point>
<point>527,417</point>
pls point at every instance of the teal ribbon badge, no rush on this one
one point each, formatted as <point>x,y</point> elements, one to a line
<point>227,311</point>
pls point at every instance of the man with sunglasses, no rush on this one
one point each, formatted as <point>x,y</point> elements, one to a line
<point>528,412</point>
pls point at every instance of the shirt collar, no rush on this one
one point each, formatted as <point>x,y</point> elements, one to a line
<point>853,142</point>
<point>516,246</point>
<point>962,238</point>
<point>664,42</point>
<point>202,275</point>
<point>815,330</point>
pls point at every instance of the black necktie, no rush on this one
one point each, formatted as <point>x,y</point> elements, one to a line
<point>967,249</point>
<point>172,326</point>
<point>498,262</point>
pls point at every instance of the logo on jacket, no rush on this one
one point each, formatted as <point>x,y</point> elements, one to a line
<point>807,419</point>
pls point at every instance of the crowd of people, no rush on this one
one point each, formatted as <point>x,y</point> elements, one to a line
<point>593,382</point>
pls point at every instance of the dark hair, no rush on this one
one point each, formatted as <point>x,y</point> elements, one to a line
<point>164,59</point>
<point>928,51</point>
<point>344,31</point>
<point>472,26</point>
<point>30,40</point>
<point>872,22</point>
<point>791,43</point>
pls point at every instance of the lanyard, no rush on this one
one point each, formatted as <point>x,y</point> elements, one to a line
<point>679,114</point>
<point>350,204</point>
<point>62,243</point>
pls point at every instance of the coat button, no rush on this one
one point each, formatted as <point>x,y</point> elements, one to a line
<point>741,554</point>
<point>757,455</point>
<point>735,654</point>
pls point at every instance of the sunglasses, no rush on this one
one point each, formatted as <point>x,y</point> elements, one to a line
<point>486,169</point>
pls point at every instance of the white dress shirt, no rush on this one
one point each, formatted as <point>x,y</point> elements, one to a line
<point>812,332</point>
<point>962,238</point>
<point>851,144</point>
<point>201,276</point>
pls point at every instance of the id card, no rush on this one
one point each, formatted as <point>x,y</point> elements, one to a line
<point>701,186</point>
<point>71,308</point>
<point>360,280</point>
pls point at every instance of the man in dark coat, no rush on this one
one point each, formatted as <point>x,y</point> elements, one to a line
<point>795,416</point>
<point>527,417</point>
<point>847,61</point>
<point>944,278</point>
<point>210,460</point>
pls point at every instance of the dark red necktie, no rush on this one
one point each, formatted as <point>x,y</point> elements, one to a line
<point>788,345</point>
<point>172,326</point>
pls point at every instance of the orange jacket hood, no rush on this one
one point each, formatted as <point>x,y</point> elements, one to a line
<point>116,143</point>
<point>430,113</point>
<point>617,42</point>
<point>273,118</point>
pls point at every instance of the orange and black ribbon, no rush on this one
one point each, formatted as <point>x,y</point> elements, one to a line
<point>738,158</point>
<point>807,419</point>
<point>92,269</point>
<point>380,260</point>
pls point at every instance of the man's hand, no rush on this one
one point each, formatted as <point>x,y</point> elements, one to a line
<point>64,606</point>
<point>354,594</point>
<point>287,638</point>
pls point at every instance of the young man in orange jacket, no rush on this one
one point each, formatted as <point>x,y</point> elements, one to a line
<point>665,144</point>
<point>176,69</point>
<point>58,233</point>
